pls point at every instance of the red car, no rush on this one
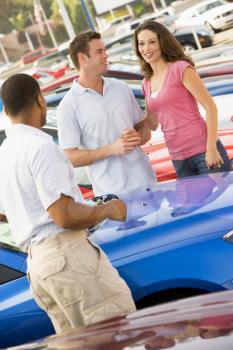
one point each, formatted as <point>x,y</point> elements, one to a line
<point>204,322</point>
<point>215,70</point>
<point>204,72</point>
<point>33,55</point>
<point>53,73</point>
<point>57,83</point>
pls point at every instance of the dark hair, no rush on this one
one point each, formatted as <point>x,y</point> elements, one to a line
<point>81,44</point>
<point>19,92</point>
<point>171,49</point>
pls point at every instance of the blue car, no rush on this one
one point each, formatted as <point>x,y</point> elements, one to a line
<point>222,86</point>
<point>176,242</point>
<point>55,98</point>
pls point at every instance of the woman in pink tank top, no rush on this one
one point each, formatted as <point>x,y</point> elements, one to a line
<point>172,90</point>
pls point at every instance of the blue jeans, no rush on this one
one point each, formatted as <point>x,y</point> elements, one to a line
<point>196,165</point>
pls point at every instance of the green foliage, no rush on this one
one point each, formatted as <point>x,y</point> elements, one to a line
<point>15,15</point>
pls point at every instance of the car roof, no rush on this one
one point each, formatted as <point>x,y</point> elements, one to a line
<point>204,3</point>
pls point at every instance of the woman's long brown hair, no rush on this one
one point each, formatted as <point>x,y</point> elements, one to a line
<point>171,49</point>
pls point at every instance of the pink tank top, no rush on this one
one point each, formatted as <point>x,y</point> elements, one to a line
<point>184,129</point>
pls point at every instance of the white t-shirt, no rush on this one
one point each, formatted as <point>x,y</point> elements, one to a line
<point>34,173</point>
<point>89,120</point>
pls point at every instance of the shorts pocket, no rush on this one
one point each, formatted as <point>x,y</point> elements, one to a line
<point>52,268</point>
<point>117,305</point>
<point>60,281</point>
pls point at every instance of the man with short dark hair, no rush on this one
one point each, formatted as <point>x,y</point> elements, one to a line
<point>70,278</point>
<point>100,124</point>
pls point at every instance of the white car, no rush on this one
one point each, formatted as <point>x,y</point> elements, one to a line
<point>216,13</point>
<point>167,15</point>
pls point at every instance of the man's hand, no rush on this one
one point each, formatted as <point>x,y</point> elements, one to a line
<point>128,141</point>
<point>129,133</point>
<point>117,210</point>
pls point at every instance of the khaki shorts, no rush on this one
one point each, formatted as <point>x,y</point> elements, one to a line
<point>74,282</point>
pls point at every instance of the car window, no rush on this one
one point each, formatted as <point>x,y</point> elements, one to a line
<point>134,25</point>
<point>209,6</point>
<point>119,42</point>
<point>8,274</point>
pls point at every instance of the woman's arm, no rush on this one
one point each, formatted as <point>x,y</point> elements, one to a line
<point>151,118</point>
<point>196,87</point>
<point>143,130</point>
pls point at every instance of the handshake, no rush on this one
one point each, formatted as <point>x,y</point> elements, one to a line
<point>126,143</point>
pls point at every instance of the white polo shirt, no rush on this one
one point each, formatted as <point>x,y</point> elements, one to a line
<point>34,173</point>
<point>89,120</point>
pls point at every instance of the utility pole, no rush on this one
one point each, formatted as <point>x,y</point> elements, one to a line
<point>48,27</point>
<point>66,19</point>
<point>163,3</point>
<point>3,51</point>
<point>88,16</point>
<point>153,5</point>
<point>30,16</point>
<point>30,44</point>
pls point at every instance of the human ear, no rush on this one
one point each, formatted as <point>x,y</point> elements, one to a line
<point>41,101</point>
<point>5,110</point>
<point>82,58</point>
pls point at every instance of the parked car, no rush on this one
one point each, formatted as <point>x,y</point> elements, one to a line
<point>218,14</point>
<point>166,16</point>
<point>217,69</point>
<point>220,87</point>
<point>68,78</point>
<point>211,52</point>
<point>226,60</point>
<point>223,102</point>
<point>33,55</point>
<point>55,71</point>
<point>123,44</point>
<point>53,58</point>
<point>176,242</point>
<point>201,323</point>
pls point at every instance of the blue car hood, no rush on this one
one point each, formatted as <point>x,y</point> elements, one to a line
<point>173,212</point>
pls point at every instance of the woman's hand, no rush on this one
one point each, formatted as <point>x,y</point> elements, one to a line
<point>213,158</point>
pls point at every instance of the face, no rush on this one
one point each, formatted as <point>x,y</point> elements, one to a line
<point>98,58</point>
<point>148,46</point>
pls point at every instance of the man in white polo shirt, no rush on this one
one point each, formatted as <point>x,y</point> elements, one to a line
<point>97,123</point>
<point>72,280</point>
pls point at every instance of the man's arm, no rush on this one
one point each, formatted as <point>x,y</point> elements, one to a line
<point>3,218</point>
<point>68,214</point>
<point>83,157</point>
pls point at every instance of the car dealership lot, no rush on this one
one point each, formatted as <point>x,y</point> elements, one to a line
<point>173,244</point>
